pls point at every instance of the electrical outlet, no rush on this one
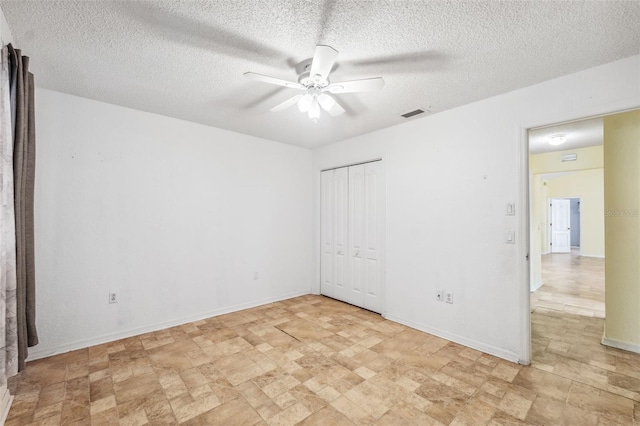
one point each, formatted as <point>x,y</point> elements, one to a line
<point>448,297</point>
<point>439,295</point>
<point>256,275</point>
<point>113,298</point>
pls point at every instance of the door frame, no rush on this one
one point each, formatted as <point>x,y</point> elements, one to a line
<point>524,199</point>
<point>317,283</point>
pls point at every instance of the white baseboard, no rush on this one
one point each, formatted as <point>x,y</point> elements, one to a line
<point>536,286</point>
<point>5,404</point>
<point>37,353</point>
<point>591,255</point>
<point>631,347</point>
<point>483,347</point>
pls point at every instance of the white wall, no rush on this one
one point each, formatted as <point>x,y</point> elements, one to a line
<point>5,31</point>
<point>449,176</point>
<point>173,216</point>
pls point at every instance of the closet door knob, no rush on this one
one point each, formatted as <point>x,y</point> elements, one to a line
<point>357,254</point>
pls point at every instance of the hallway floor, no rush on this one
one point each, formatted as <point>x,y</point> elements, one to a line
<point>572,284</point>
<point>568,325</point>
<point>316,361</point>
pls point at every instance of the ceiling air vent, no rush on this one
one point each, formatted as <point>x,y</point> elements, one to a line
<point>413,113</point>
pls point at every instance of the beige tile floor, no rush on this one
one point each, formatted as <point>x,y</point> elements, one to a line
<point>315,361</point>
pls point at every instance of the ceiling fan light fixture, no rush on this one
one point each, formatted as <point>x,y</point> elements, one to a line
<point>304,104</point>
<point>557,140</point>
<point>314,111</point>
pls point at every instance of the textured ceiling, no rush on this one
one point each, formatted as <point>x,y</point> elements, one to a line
<point>579,134</point>
<point>186,59</point>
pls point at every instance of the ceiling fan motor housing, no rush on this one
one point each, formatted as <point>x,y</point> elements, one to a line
<point>315,82</point>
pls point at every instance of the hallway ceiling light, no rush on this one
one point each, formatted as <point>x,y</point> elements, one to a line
<point>557,139</point>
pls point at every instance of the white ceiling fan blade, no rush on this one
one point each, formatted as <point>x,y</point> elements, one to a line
<point>273,80</point>
<point>286,104</point>
<point>336,110</point>
<point>330,105</point>
<point>323,61</point>
<point>365,85</point>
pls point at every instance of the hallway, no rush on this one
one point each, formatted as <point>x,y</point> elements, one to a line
<point>572,283</point>
<point>567,325</point>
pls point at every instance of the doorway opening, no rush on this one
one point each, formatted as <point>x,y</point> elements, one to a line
<point>567,265</point>
<point>567,219</point>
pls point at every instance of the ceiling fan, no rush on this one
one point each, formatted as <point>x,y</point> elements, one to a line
<point>314,82</point>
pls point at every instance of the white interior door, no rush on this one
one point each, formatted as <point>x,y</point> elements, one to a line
<point>560,226</point>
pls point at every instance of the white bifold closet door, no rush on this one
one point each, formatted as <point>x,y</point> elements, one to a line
<point>352,203</point>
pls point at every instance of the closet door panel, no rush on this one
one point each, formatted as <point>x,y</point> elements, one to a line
<point>341,235</point>
<point>327,273</point>
<point>373,213</point>
<point>357,210</point>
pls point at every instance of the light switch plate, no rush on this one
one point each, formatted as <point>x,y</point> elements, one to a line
<point>511,209</point>
<point>511,237</point>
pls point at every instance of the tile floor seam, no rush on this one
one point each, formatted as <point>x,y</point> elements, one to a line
<point>574,380</point>
<point>569,392</point>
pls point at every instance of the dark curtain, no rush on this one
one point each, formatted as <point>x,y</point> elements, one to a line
<point>24,162</point>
